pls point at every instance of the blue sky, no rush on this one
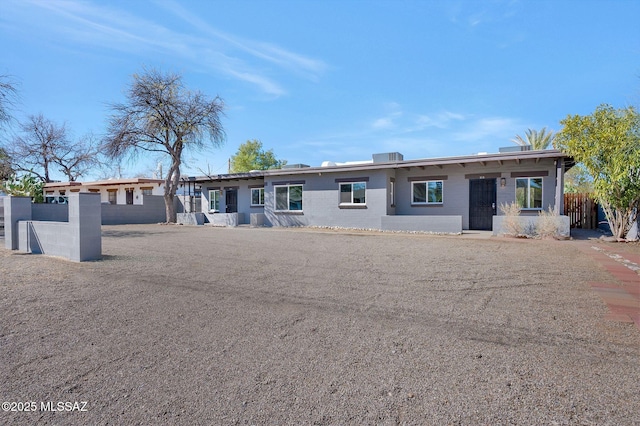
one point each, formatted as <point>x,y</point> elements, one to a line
<point>331,80</point>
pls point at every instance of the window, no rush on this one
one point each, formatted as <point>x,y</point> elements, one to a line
<point>257,196</point>
<point>529,193</point>
<point>147,191</point>
<point>214,200</point>
<point>289,198</point>
<point>429,192</point>
<point>113,197</point>
<point>353,193</point>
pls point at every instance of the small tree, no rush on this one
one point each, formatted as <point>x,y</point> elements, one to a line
<point>537,140</point>
<point>161,115</point>
<point>251,156</point>
<point>607,143</point>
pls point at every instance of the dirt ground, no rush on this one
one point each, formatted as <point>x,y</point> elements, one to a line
<point>202,325</point>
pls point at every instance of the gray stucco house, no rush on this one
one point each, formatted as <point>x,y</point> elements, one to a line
<point>447,195</point>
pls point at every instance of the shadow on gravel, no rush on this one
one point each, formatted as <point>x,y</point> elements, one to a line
<point>587,234</point>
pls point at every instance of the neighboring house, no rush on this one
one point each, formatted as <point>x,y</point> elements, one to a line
<point>112,191</point>
<point>390,193</point>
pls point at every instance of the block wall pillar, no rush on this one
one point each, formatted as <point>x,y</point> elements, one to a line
<point>85,221</point>
<point>15,210</point>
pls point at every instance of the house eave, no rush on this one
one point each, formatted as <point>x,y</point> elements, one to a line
<point>484,160</point>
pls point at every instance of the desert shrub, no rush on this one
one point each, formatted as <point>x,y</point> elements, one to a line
<point>548,224</point>
<point>511,225</point>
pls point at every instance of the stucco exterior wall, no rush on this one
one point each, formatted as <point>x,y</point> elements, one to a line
<point>321,200</point>
<point>103,190</point>
<point>456,187</point>
<point>244,200</point>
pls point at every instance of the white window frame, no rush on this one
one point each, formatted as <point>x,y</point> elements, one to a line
<point>275,197</point>
<point>426,202</point>
<point>260,197</point>
<point>214,194</point>
<point>352,202</point>
<point>528,194</point>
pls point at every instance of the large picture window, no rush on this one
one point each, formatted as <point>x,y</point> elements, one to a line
<point>288,198</point>
<point>214,200</point>
<point>257,196</point>
<point>529,193</point>
<point>353,193</point>
<point>429,192</point>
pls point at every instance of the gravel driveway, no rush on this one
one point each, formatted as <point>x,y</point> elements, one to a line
<point>202,325</point>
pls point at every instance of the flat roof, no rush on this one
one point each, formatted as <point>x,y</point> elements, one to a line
<point>108,182</point>
<point>483,159</point>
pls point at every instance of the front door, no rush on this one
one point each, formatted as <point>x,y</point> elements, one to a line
<point>129,193</point>
<point>482,203</point>
<point>231,200</point>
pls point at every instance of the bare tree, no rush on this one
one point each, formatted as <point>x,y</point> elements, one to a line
<point>8,94</point>
<point>75,159</point>
<point>44,147</point>
<point>34,151</point>
<point>161,115</point>
<point>5,165</point>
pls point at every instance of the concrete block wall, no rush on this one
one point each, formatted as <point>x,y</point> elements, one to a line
<point>190,218</point>
<point>151,211</point>
<point>50,212</point>
<point>257,219</point>
<point>226,219</point>
<point>79,239</point>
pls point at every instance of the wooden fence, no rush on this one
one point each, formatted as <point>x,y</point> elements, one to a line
<point>582,210</point>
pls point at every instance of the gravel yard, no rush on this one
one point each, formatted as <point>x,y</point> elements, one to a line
<point>203,325</point>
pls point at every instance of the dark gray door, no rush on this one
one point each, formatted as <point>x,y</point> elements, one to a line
<point>231,200</point>
<point>482,204</point>
<point>129,196</point>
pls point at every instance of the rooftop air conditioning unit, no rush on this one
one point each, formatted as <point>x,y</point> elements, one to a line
<point>387,157</point>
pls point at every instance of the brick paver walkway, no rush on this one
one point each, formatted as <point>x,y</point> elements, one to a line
<point>622,296</point>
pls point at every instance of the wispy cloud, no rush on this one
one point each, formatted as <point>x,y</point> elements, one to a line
<point>105,27</point>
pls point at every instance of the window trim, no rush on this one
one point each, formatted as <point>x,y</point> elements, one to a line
<point>528,194</point>
<point>426,202</point>
<point>260,197</point>
<point>352,202</point>
<point>288,186</point>
<point>217,191</point>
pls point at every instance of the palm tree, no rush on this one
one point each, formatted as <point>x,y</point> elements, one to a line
<point>537,140</point>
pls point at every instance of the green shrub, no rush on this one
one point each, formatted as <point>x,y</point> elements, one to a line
<point>26,186</point>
